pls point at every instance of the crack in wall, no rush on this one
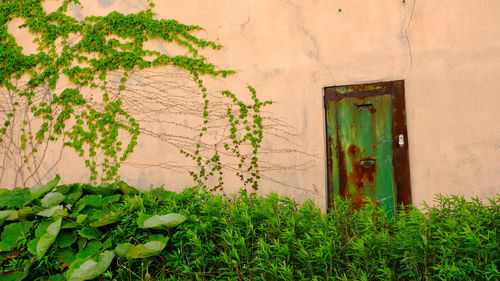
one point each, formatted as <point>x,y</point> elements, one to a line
<point>408,38</point>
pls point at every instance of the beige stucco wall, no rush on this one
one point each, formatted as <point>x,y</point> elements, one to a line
<point>448,53</point>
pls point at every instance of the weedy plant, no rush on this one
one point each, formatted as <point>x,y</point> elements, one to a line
<point>114,232</point>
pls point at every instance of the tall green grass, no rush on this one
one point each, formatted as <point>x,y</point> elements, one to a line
<point>273,238</point>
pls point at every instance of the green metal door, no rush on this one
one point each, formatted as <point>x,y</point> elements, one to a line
<point>360,145</point>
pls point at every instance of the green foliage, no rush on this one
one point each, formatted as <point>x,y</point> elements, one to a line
<point>248,237</point>
<point>13,233</point>
<point>45,235</point>
<point>42,238</point>
<point>40,190</point>
<point>152,248</point>
<point>89,268</point>
<point>159,222</point>
<point>104,136</point>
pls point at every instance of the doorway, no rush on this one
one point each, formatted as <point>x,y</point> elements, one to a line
<point>367,144</point>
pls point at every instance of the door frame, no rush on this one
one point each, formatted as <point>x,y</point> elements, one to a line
<point>400,158</point>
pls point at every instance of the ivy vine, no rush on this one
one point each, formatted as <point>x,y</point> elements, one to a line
<point>105,136</point>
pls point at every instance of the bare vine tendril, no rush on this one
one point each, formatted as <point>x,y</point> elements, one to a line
<point>104,136</point>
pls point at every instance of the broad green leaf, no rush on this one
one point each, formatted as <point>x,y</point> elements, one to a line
<point>14,215</point>
<point>126,188</point>
<point>69,224</point>
<point>72,198</point>
<point>66,188</point>
<point>45,235</point>
<point>48,238</point>
<point>103,189</point>
<point>92,248</point>
<point>107,243</point>
<point>32,245</point>
<point>92,200</point>
<point>13,233</point>
<point>90,233</point>
<point>156,221</point>
<point>81,242</point>
<point>16,198</point>
<point>64,258</point>
<point>52,199</point>
<point>66,238</point>
<point>40,190</point>
<point>111,199</point>
<point>13,276</point>
<point>56,211</point>
<point>25,213</point>
<point>8,215</point>
<point>57,277</point>
<point>90,268</point>
<point>88,200</point>
<point>149,249</point>
<point>4,215</point>
<point>72,192</point>
<point>81,218</point>
<point>100,218</point>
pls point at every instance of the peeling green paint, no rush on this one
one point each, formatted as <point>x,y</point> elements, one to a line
<point>359,131</point>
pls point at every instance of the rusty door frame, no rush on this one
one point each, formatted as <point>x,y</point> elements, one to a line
<point>400,159</point>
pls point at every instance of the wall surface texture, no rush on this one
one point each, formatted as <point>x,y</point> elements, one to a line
<point>447,52</point>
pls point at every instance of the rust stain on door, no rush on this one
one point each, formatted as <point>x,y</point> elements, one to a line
<point>362,118</point>
<point>363,169</point>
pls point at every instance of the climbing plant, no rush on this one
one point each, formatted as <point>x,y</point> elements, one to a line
<point>54,90</point>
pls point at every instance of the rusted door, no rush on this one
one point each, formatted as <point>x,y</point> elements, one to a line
<point>367,144</point>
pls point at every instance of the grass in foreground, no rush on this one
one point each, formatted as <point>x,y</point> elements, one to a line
<point>114,232</point>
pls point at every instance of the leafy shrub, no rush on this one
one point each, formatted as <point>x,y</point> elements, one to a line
<point>74,232</point>
<point>123,234</point>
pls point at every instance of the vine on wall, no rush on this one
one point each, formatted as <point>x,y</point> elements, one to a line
<point>47,96</point>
